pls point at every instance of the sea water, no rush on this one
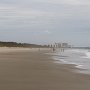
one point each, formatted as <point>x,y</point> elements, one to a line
<point>79,57</point>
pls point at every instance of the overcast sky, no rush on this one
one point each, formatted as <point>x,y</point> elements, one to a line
<point>45,21</point>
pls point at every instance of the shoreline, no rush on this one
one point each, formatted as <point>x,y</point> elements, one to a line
<point>69,58</point>
<point>32,70</point>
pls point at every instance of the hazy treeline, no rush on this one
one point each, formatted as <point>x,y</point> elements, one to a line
<point>15,44</point>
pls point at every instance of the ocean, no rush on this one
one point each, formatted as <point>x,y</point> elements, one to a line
<point>79,57</point>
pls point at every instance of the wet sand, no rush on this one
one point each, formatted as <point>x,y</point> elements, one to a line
<point>34,70</point>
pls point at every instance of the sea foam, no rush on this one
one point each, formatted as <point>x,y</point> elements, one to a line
<point>79,57</point>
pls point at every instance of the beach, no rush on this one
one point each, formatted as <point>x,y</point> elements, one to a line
<point>32,69</point>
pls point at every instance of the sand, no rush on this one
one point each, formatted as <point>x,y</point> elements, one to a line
<point>33,70</point>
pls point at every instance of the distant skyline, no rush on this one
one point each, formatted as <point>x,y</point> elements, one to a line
<point>45,21</point>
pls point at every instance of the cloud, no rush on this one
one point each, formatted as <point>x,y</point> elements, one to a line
<point>35,2</point>
<point>68,2</point>
<point>10,11</point>
<point>43,19</point>
<point>18,12</point>
<point>47,32</point>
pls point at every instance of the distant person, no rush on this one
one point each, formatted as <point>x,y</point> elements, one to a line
<point>39,49</point>
<point>63,49</point>
<point>53,49</point>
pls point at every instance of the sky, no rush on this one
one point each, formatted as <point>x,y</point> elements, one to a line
<point>45,21</point>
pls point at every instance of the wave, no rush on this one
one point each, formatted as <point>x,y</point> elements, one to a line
<point>79,57</point>
<point>88,54</point>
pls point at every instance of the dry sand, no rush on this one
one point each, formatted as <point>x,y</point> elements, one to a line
<point>34,70</point>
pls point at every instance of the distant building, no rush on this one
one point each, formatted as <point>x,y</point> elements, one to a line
<point>61,45</point>
<point>65,45</point>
